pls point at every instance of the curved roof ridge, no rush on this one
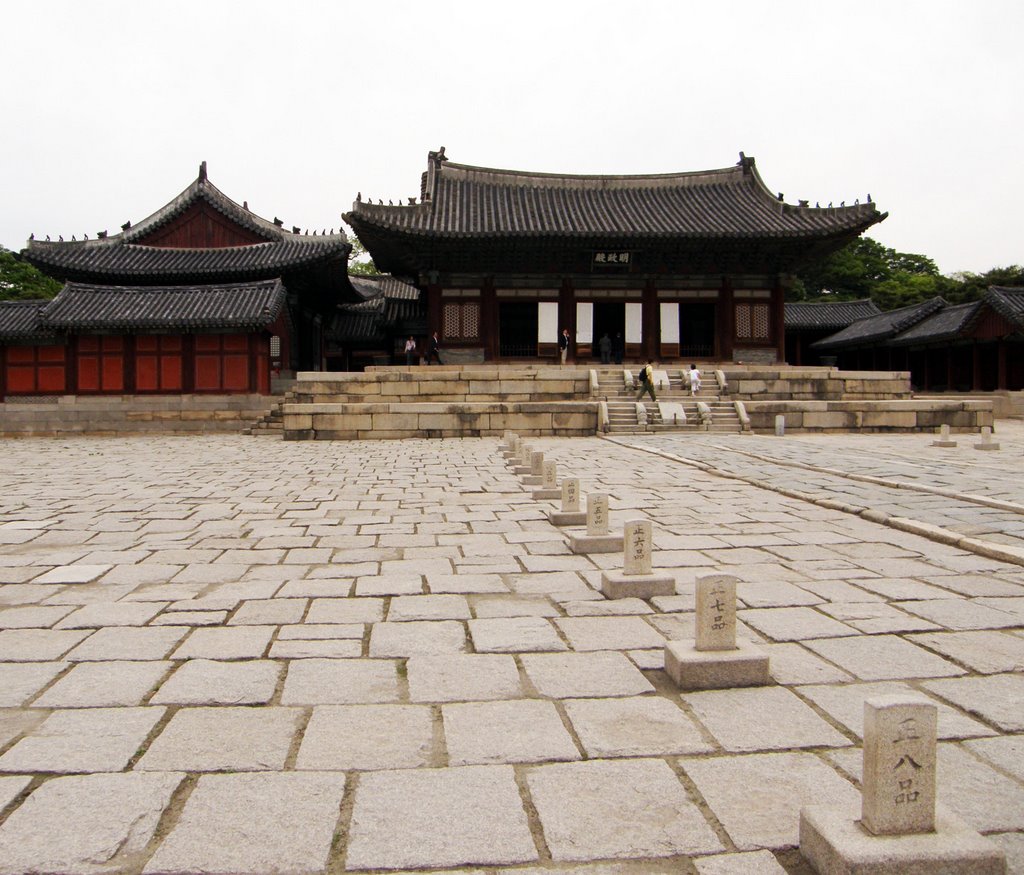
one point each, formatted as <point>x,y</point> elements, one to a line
<point>584,180</point>
<point>199,189</point>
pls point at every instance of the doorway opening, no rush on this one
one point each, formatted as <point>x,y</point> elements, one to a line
<point>610,319</point>
<point>696,330</point>
<point>517,329</point>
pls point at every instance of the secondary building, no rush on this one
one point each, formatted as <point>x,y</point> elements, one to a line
<point>201,296</point>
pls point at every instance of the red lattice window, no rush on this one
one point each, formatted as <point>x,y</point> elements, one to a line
<point>461,320</point>
<point>753,322</point>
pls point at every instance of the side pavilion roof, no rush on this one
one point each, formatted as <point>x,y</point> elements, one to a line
<point>136,256</point>
<point>825,315</point>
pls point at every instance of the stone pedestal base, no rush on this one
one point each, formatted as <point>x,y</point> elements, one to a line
<point>986,447</point>
<point>508,454</point>
<point>835,843</point>
<point>535,480</point>
<point>693,669</point>
<point>548,494</point>
<point>521,469</point>
<point>943,443</point>
<point>567,517</point>
<point>595,543</point>
<point>616,585</point>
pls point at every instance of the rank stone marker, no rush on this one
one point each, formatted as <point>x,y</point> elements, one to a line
<point>522,463</point>
<point>548,483</point>
<point>715,659</point>
<point>987,444</point>
<point>637,578</point>
<point>900,829</point>
<point>508,445</point>
<point>598,539</point>
<point>780,425</point>
<point>944,439</point>
<point>570,514</point>
<point>536,474</point>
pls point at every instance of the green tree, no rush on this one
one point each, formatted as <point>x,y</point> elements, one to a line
<point>20,281</point>
<point>971,286</point>
<point>359,261</point>
<point>865,268</point>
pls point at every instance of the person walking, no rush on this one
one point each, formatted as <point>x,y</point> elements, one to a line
<point>435,349</point>
<point>563,344</point>
<point>646,381</point>
<point>605,346</point>
<point>410,350</point>
<point>694,380</point>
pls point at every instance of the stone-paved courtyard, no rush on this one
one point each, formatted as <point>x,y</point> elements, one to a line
<point>234,655</point>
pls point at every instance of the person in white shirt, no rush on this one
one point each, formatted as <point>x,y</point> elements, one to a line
<point>410,350</point>
<point>694,380</point>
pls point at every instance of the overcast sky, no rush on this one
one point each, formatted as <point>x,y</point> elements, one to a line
<point>109,107</point>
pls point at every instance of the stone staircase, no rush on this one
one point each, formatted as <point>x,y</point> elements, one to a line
<point>622,413</point>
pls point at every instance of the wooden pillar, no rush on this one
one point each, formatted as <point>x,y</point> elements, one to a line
<point>725,341</point>
<point>1001,378</point>
<point>567,314</point>
<point>779,319</point>
<point>649,321</point>
<point>926,377</point>
<point>950,368</point>
<point>976,366</point>
<point>489,319</point>
<point>433,309</point>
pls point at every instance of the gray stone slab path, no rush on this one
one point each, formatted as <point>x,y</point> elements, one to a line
<point>234,655</point>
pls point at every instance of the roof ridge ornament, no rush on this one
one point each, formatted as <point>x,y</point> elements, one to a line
<point>202,172</point>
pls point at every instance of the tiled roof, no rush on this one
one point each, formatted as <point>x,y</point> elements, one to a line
<point>1008,302</point>
<point>459,200</point>
<point>389,306</point>
<point>114,258</point>
<point>828,314</point>
<point>232,306</point>
<point>875,329</point>
<point>944,324</point>
<point>384,284</point>
<point>118,255</point>
<point>20,320</point>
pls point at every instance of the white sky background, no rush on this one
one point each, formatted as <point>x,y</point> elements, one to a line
<point>109,107</point>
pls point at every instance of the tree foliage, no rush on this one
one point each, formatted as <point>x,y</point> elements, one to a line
<point>359,261</point>
<point>867,269</point>
<point>20,281</point>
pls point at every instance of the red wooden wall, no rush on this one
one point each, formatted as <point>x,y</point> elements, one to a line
<point>144,364</point>
<point>200,227</point>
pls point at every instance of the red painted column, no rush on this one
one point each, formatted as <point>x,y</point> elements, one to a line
<point>779,319</point>
<point>726,321</point>
<point>649,321</point>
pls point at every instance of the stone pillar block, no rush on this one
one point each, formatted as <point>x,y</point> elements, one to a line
<point>944,440</point>
<point>691,669</point>
<point>715,619</point>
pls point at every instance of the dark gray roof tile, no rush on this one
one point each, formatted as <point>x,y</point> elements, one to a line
<point>81,307</point>
<point>828,314</point>
<point>876,329</point>
<point>466,201</point>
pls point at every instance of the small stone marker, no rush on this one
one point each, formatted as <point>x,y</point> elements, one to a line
<point>548,482</point>
<point>598,538</point>
<point>536,469</point>
<point>944,439</point>
<point>715,659</point>
<point>715,618</point>
<point>898,796</point>
<point>637,578</point>
<point>522,462</point>
<point>900,829</point>
<point>780,425</point>
<point>570,495</point>
<point>987,443</point>
<point>636,539</point>
<point>597,515</point>
<point>570,514</point>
